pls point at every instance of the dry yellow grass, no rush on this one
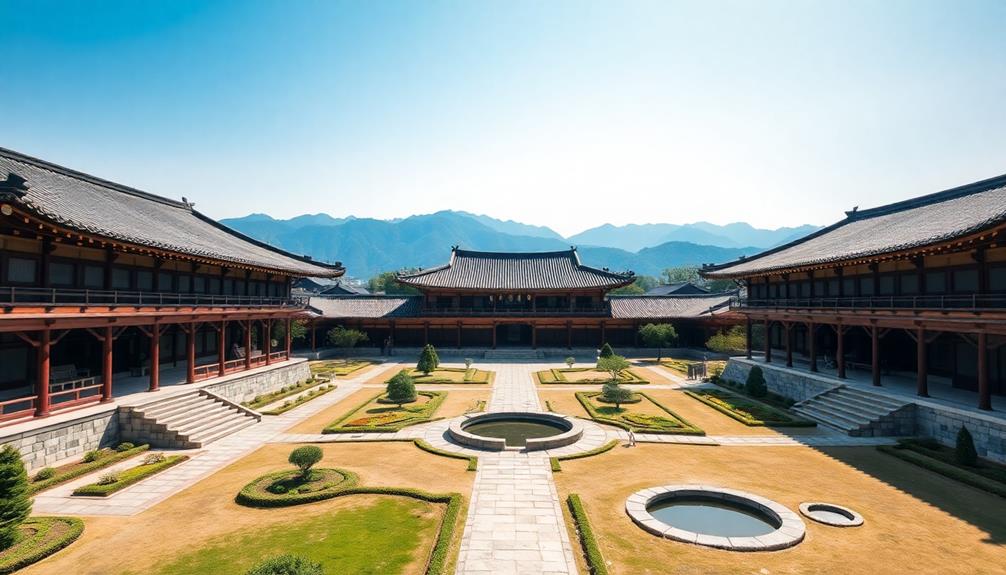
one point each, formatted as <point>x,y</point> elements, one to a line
<point>716,423</point>
<point>318,421</point>
<point>459,402</point>
<point>916,522</point>
<point>207,509</point>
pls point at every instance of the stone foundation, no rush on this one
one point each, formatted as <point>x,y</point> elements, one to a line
<point>943,423</point>
<point>46,445</point>
<point>245,388</point>
<point>794,385</point>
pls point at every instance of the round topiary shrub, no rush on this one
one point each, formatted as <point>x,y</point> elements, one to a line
<point>755,385</point>
<point>91,456</point>
<point>124,446</point>
<point>606,351</point>
<point>401,388</point>
<point>965,453</point>
<point>286,565</point>
<point>45,473</point>
<point>305,458</point>
<point>428,360</point>
<point>614,393</point>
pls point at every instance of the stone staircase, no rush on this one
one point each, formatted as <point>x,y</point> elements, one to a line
<point>859,413</point>
<point>513,354</point>
<point>187,421</point>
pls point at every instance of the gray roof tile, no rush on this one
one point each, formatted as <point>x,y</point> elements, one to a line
<point>669,306</point>
<point>366,306</point>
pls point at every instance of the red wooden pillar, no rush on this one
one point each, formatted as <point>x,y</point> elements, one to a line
<point>984,392</point>
<point>248,344</point>
<point>768,341</point>
<point>190,353</point>
<point>289,338</point>
<point>875,354</point>
<point>42,407</point>
<point>922,383</point>
<point>222,349</point>
<point>748,336</point>
<point>788,332</point>
<point>155,357</point>
<point>106,365</point>
<point>840,352</point>
<point>812,345</point>
<point>268,341</point>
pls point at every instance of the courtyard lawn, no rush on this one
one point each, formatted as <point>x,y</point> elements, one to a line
<point>453,375</point>
<point>747,410</point>
<point>377,416</point>
<point>680,365</point>
<point>140,544</point>
<point>643,416</point>
<point>341,367</point>
<point>585,376</point>
<point>916,521</point>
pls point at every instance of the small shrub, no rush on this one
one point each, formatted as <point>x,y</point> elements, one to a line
<point>45,473</point>
<point>108,478</point>
<point>286,565</point>
<point>755,385</point>
<point>468,363</point>
<point>614,393</point>
<point>124,446</point>
<point>965,453</point>
<point>153,458</point>
<point>15,504</point>
<point>401,388</point>
<point>570,361</point>
<point>304,458</point>
<point>276,489</point>
<point>428,360</point>
<point>606,351</point>
<point>92,456</point>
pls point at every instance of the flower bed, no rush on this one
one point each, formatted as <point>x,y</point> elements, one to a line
<point>129,477</point>
<point>340,368</point>
<point>586,375</point>
<point>324,484</point>
<point>453,375</point>
<point>681,365</point>
<point>74,470</point>
<point>40,538</point>
<point>671,423</point>
<point>269,398</point>
<point>312,394</point>
<point>384,418</point>
<point>747,410</point>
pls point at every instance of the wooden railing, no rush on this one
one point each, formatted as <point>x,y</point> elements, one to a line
<point>77,397</point>
<point>516,312</point>
<point>57,296</point>
<point>973,302</point>
<point>19,408</point>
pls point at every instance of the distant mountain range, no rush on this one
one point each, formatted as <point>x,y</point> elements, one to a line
<point>368,246</point>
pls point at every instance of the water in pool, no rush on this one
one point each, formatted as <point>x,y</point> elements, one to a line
<point>516,432</point>
<point>712,517</point>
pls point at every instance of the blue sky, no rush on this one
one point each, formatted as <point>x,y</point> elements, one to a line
<point>567,114</point>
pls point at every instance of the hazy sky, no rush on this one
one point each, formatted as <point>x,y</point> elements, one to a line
<point>568,114</point>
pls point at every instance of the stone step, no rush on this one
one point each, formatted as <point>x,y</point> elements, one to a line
<point>222,430</point>
<point>194,412</point>
<point>188,421</point>
<point>219,413</point>
<point>854,407</point>
<point>170,406</point>
<point>889,403</point>
<point>835,417</point>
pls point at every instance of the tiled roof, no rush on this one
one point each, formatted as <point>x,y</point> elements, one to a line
<point>669,306</point>
<point>914,223</point>
<point>681,288</point>
<point>91,205</point>
<point>342,288</point>
<point>366,306</point>
<point>515,271</point>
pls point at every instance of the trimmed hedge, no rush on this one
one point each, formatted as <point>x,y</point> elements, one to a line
<point>911,453</point>
<point>339,425</point>
<point>591,551</point>
<point>473,462</point>
<point>556,466</point>
<point>129,477</point>
<point>84,469</point>
<point>773,399</point>
<point>286,391</point>
<point>315,393</point>
<point>255,494</point>
<point>639,425</point>
<point>42,543</point>
<point>729,403</point>
<point>471,376</point>
<point>338,368</point>
<point>557,375</point>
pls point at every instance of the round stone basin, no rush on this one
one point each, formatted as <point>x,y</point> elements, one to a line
<point>831,514</point>
<point>515,430</point>
<point>715,517</point>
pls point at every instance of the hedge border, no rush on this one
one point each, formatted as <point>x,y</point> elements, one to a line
<point>473,462</point>
<point>365,364</point>
<point>95,490</point>
<point>300,401</point>
<point>556,466</point>
<point>437,398</point>
<point>557,377</point>
<point>116,457</point>
<point>690,429</point>
<point>588,541</point>
<point>945,469</point>
<point>749,421</point>
<point>490,377</point>
<point>276,396</point>
<point>250,498</point>
<point>40,553</point>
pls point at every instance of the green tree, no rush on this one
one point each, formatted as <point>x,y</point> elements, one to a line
<point>612,392</point>
<point>965,453</point>
<point>614,365</point>
<point>570,361</point>
<point>640,285</point>
<point>286,565</point>
<point>401,388</point>
<point>305,458</point>
<point>606,351</point>
<point>733,340</point>
<point>658,335</point>
<point>428,360</point>
<point>681,275</point>
<point>15,505</point>
<point>298,330</point>
<point>345,338</point>
<point>755,385</point>
<point>387,282</point>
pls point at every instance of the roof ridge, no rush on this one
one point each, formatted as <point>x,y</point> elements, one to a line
<point>929,199</point>
<point>566,253</point>
<point>70,172</point>
<point>674,295</point>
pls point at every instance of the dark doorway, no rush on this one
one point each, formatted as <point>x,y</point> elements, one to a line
<point>513,335</point>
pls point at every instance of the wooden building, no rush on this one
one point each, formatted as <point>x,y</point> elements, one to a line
<point>100,282</point>
<point>506,299</point>
<point>913,288</point>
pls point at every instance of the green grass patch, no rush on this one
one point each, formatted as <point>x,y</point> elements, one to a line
<point>747,410</point>
<point>588,541</point>
<point>635,421</point>
<point>294,403</point>
<point>129,477</point>
<point>453,375</point>
<point>473,462</point>
<point>71,471</point>
<point>40,538</point>
<point>285,391</point>
<point>591,376</point>
<point>374,417</point>
<point>374,539</point>
<point>340,367</point>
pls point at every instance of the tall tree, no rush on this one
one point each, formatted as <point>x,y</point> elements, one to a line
<point>387,283</point>
<point>15,505</point>
<point>428,360</point>
<point>345,338</point>
<point>658,335</point>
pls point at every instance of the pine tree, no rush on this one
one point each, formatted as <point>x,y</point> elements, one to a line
<point>15,505</point>
<point>428,360</point>
<point>965,452</point>
<point>606,351</point>
<point>755,385</point>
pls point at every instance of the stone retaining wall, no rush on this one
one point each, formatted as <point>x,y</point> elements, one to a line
<point>44,446</point>
<point>943,423</point>
<point>245,388</point>
<point>796,386</point>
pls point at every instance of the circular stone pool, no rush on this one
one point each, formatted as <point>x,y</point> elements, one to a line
<point>515,430</point>
<point>715,517</point>
<point>831,514</point>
